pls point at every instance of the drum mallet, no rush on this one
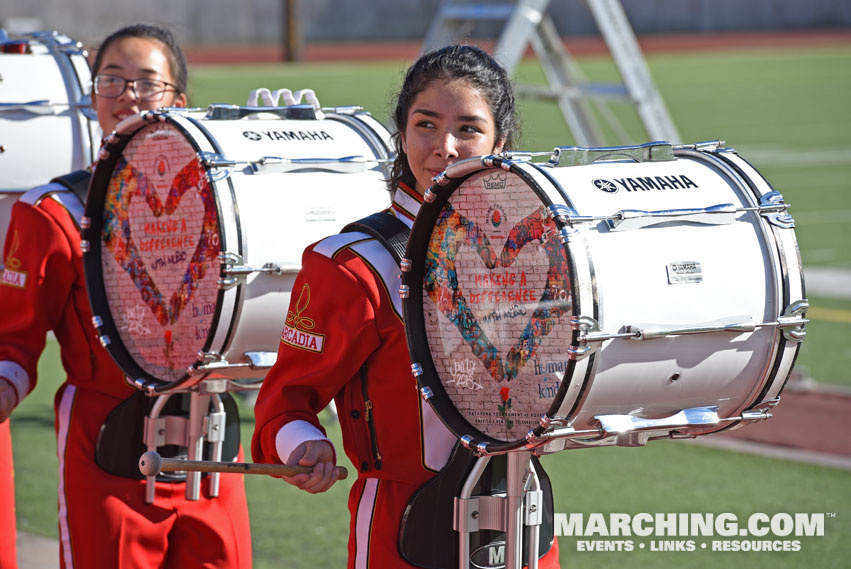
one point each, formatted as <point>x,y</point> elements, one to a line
<point>151,464</point>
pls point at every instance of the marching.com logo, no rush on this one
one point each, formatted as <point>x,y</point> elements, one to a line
<point>683,531</point>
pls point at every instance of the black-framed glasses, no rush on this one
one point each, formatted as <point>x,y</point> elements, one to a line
<point>112,86</point>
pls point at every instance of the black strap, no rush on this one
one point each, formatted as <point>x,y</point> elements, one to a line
<point>76,181</point>
<point>387,229</point>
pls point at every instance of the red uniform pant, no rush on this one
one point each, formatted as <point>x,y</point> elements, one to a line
<point>105,523</point>
<point>8,553</point>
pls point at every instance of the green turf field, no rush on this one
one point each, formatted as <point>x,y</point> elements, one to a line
<point>788,112</point>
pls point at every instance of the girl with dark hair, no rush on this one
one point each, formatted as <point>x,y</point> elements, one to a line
<point>104,519</point>
<point>344,338</point>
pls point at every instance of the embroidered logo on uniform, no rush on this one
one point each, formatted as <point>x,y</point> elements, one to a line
<point>11,275</point>
<point>297,327</point>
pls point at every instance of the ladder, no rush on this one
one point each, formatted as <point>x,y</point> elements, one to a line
<point>526,23</point>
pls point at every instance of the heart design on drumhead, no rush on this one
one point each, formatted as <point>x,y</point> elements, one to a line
<point>131,235</point>
<point>455,237</point>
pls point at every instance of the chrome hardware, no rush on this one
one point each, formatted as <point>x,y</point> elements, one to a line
<point>429,196</point>
<point>39,107</point>
<point>466,440</point>
<point>694,417</point>
<point>773,208</point>
<point>660,151</point>
<point>570,216</point>
<point>207,367</point>
<point>426,393</point>
<point>104,340</point>
<point>208,356</point>
<point>233,112</point>
<point>589,331</point>
<point>626,219</point>
<point>234,269</point>
<point>416,369</point>
<point>482,449</point>
<point>565,235</point>
<point>85,246</point>
<point>261,360</point>
<point>85,222</point>
<point>404,291</point>
<point>792,321</point>
<point>652,331</point>
<point>706,146</point>
<point>405,265</point>
<point>97,321</point>
<point>277,165</point>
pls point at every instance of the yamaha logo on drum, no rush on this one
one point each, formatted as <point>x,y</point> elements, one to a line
<point>606,186</point>
<point>645,183</point>
<point>287,135</point>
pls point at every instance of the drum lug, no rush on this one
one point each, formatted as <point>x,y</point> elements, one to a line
<point>236,271</point>
<point>85,246</point>
<point>774,209</point>
<point>706,146</point>
<point>792,321</point>
<point>426,393</point>
<point>405,265</point>
<point>404,291</point>
<point>588,328</point>
<point>417,370</point>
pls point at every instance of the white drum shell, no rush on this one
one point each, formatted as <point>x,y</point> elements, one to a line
<point>56,132</point>
<point>269,218</point>
<point>648,251</point>
<point>750,271</point>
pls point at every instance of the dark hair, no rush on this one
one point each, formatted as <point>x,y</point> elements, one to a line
<point>466,62</point>
<point>173,52</point>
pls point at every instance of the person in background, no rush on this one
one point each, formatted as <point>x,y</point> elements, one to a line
<point>104,520</point>
<point>455,103</point>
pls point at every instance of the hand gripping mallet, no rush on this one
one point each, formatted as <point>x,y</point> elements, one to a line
<point>151,464</point>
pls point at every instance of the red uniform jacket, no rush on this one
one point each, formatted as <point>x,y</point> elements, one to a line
<point>43,239</point>
<point>344,340</point>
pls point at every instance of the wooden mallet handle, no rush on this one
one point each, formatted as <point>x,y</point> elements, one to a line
<point>151,464</point>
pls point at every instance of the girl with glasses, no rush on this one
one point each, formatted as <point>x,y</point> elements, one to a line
<point>104,520</point>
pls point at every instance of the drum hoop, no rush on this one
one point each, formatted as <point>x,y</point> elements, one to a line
<point>92,258</point>
<point>415,322</point>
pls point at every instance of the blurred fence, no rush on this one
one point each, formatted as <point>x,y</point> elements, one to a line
<point>201,22</point>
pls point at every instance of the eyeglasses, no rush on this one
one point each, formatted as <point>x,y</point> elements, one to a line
<point>112,86</point>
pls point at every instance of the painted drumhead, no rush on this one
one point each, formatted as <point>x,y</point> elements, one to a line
<point>494,306</point>
<point>159,249</point>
